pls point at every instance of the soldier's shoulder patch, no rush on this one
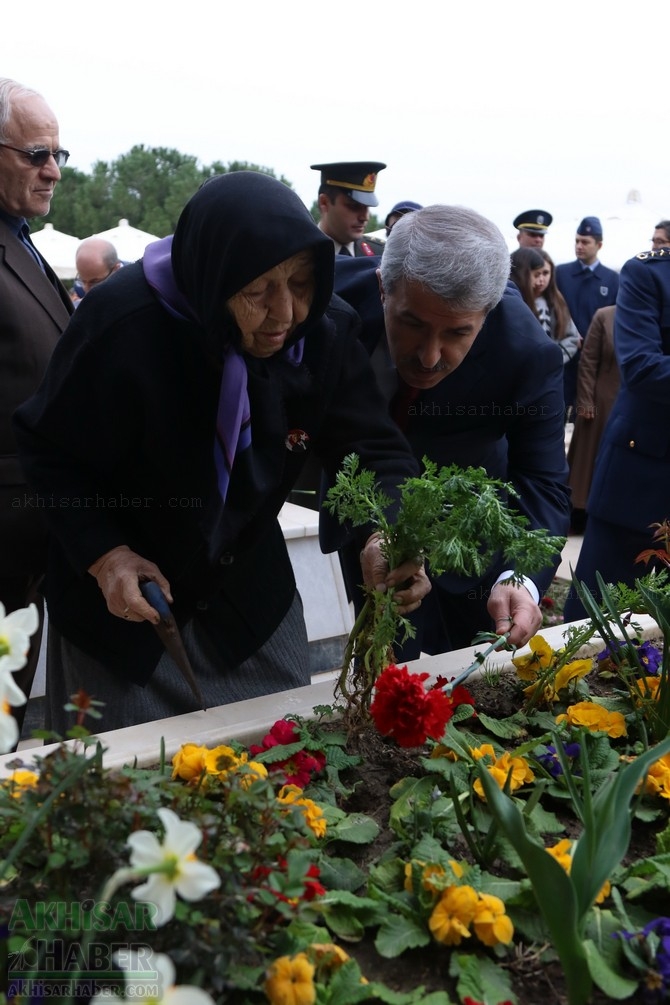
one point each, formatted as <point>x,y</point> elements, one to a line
<point>657,255</point>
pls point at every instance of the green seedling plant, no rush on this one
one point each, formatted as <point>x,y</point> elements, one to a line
<point>456,520</point>
<point>651,596</point>
<point>566,899</point>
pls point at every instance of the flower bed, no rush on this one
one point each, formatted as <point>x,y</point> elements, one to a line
<point>310,884</point>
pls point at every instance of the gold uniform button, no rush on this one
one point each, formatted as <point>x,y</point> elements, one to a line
<point>631,444</point>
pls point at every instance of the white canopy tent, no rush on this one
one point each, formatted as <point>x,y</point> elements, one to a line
<point>58,248</point>
<point>128,241</point>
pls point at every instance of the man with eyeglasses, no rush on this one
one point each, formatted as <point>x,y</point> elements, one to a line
<point>95,261</point>
<point>661,237</point>
<point>34,310</point>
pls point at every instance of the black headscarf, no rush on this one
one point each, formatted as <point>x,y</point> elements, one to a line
<point>235,228</point>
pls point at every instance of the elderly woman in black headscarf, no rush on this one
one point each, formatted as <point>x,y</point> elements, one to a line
<point>178,410</point>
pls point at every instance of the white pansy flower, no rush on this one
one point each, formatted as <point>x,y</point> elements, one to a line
<point>10,694</point>
<point>15,631</point>
<point>172,866</point>
<point>152,976</point>
<point>9,730</point>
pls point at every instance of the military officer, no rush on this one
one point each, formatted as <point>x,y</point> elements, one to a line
<point>532,226</point>
<point>631,479</point>
<point>399,210</point>
<point>587,285</point>
<point>346,193</point>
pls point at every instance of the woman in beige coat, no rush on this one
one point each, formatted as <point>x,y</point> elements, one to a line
<point>597,386</point>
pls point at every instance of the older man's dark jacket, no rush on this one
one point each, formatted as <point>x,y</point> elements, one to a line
<point>34,310</point>
<point>502,409</point>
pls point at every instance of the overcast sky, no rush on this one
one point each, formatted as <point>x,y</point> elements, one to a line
<point>498,106</point>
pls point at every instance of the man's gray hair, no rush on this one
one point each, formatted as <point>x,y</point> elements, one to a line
<point>451,251</point>
<point>9,90</point>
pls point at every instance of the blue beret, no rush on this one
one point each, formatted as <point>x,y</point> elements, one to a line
<point>590,227</point>
<point>401,208</point>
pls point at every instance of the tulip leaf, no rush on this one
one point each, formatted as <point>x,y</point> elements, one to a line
<point>553,889</point>
<point>606,836</point>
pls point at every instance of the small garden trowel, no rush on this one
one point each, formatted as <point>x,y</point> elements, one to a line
<point>169,635</point>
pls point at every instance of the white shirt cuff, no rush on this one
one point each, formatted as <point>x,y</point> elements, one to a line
<point>528,583</point>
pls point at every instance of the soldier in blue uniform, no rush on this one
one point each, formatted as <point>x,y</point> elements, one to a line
<point>346,193</point>
<point>631,480</point>
<point>532,226</point>
<point>587,285</point>
<point>400,208</point>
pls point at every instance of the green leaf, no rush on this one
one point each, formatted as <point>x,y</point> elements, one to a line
<point>515,727</point>
<point>356,828</point>
<point>340,873</point>
<point>397,934</point>
<point>345,987</point>
<point>614,985</point>
<point>481,979</point>
<point>545,822</point>
<point>380,993</point>
<point>409,794</point>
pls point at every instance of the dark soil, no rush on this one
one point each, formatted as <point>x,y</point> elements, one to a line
<point>536,975</point>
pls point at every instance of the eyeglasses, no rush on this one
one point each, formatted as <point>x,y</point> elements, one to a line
<point>88,284</point>
<point>660,242</point>
<point>41,155</point>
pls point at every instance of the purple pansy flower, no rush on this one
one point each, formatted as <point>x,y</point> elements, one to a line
<point>550,761</point>
<point>649,656</point>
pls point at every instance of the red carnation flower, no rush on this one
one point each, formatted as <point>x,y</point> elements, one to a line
<point>403,709</point>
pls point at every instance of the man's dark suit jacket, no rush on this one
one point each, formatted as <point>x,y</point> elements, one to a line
<point>502,409</point>
<point>34,309</point>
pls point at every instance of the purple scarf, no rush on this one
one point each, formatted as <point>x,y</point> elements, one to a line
<point>233,415</point>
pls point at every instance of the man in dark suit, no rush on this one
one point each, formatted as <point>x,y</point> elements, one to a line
<point>472,380</point>
<point>34,310</point>
<point>630,490</point>
<point>587,285</point>
<point>346,193</point>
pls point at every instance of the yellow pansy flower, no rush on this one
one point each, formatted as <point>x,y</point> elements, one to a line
<point>491,924</point>
<point>657,781</point>
<point>562,852</point>
<point>189,762</point>
<point>222,759</point>
<point>648,687</point>
<point>572,671</point>
<point>19,780</point>
<point>290,981</point>
<point>594,717</point>
<point>452,915</point>
<point>291,795</point>
<point>486,750</point>
<point>539,658</point>
<point>517,768</point>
